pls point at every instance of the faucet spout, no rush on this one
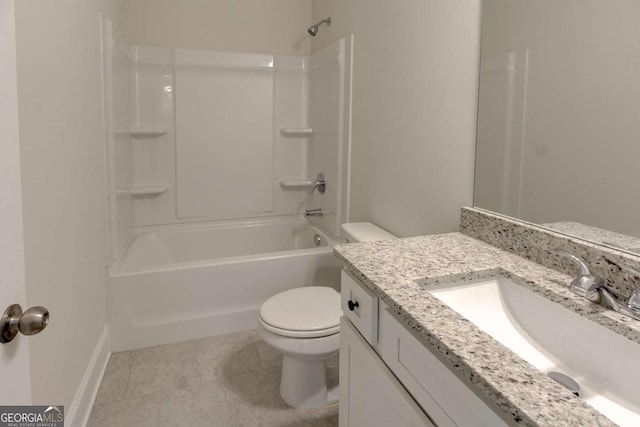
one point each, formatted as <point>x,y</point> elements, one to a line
<point>585,283</point>
<point>313,212</point>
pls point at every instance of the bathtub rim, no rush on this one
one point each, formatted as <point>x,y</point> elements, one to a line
<point>255,222</point>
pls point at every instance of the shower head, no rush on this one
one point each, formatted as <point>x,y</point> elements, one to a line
<point>313,30</point>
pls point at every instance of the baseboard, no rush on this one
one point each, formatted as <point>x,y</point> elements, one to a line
<point>78,413</point>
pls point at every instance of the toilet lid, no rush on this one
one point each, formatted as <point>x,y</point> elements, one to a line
<point>314,309</point>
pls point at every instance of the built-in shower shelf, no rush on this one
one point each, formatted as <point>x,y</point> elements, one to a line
<point>296,184</point>
<point>148,190</point>
<point>296,131</point>
<point>148,132</point>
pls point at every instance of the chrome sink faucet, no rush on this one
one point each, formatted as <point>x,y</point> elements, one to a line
<point>585,283</point>
<point>591,287</point>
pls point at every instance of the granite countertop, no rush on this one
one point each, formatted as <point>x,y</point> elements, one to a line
<point>400,270</point>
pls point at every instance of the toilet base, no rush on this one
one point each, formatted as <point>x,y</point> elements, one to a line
<point>309,368</point>
<point>304,383</point>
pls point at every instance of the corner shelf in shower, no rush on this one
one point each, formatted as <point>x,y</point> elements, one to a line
<point>148,190</point>
<point>295,131</point>
<point>301,184</point>
<point>148,132</point>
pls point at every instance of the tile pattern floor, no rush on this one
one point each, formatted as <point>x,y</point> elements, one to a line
<point>229,380</point>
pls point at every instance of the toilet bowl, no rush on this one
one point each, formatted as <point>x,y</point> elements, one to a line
<point>304,325</point>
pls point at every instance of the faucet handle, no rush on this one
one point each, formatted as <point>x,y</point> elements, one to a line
<point>633,303</point>
<point>320,184</point>
<point>585,283</point>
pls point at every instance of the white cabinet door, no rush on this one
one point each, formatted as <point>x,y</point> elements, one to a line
<point>14,356</point>
<point>369,394</point>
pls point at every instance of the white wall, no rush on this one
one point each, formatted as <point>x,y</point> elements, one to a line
<point>62,159</point>
<point>252,26</point>
<point>212,159</point>
<point>583,103</point>
<point>414,108</point>
<point>224,127</point>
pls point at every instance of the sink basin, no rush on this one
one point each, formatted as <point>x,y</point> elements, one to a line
<point>553,338</point>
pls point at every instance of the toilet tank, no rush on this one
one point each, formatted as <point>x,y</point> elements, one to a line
<point>364,232</point>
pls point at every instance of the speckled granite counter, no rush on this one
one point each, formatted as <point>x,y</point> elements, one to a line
<point>399,271</point>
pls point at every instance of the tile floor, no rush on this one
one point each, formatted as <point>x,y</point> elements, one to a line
<point>230,380</point>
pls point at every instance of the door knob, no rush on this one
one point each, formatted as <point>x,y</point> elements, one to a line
<point>30,322</point>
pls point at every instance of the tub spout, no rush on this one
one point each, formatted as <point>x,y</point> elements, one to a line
<point>313,212</point>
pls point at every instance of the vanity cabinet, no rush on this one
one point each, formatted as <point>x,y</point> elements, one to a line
<point>387,377</point>
<point>372,396</point>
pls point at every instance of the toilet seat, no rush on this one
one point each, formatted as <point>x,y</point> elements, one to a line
<point>289,333</point>
<point>308,312</point>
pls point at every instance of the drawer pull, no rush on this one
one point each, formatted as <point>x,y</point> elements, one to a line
<point>352,305</point>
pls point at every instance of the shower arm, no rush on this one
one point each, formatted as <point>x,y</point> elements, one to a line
<point>313,30</point>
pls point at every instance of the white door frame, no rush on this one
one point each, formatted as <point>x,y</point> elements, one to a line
<point>14,356</point>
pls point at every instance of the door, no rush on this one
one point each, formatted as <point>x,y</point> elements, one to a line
<point>14,356</point>
<point>369,393</point>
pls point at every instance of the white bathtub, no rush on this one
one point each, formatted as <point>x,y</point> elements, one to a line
<point>179,284</point>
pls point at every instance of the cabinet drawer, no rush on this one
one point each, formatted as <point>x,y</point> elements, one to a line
<point>360,305</point>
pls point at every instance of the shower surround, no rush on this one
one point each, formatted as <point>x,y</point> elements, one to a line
<point>209,180</point>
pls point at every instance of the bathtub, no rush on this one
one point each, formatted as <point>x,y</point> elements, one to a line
<point>183,283</point>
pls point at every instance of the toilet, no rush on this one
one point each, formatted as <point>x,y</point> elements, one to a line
<point>304,325</point>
